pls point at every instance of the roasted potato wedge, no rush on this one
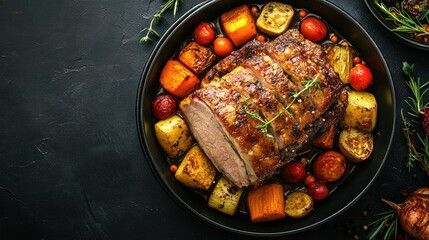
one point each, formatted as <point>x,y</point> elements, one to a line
<point>225,197</point>
<point>356,145</point>
<point>275,18</point>
<point>196,170</point>
<point>298,204</point>
<point>341,59</point>
<point>174,136</point>
<point>361,112</point>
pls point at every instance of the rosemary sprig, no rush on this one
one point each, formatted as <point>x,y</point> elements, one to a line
<point>265,123</point>
<point>418,149</point>
<point>405,23</point>
<point>170,4</point>
<point>385,226</point>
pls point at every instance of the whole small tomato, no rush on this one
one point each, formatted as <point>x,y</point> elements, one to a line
<point>293,172</point>
<point>164,106</point>
<point>360,77</point>
<point>313,29</point>
<point>330,166</point>
<point>317,190</point>
<point>204,34</point>
<point>222,46</point>
<point>309,178</point>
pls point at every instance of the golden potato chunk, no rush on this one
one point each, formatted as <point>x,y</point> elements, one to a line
<point>196,170</point>
<point>275,18</point>
<point>174,136</point>
<point>356,145</point>
<point>361,112</point>
<point>225,197</point>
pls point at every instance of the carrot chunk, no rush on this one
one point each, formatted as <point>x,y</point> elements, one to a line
<point>266,203</point>
<point>177,79</point>
<point>326,139</point>
<point>238,25</point>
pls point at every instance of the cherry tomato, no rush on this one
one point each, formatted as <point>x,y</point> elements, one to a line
<point>222,46</point>
<point>302,13</point>
<point>356,60</point>
<point>317,190</point>
<point>309,178</point>
<point>313,29</point>
<point>334,38</point>
<point>330,166</point>
<point>204,34</point>
<point>360,77</point>
<point>293,172</point>
<point>164,106</point>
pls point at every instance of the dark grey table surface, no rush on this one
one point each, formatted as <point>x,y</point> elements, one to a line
<point>71,166</point>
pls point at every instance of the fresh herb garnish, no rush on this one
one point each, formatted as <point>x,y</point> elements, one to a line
<point>170,4</point>
<point>418,149</point>
<point>265,123</point>
<point>403,20</point>
<point>385,226</point>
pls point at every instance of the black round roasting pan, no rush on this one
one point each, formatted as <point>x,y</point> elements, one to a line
<point>358,181</point>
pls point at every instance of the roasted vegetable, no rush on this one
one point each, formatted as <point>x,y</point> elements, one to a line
<point>196,170</point>
<point>266,203</point>
<point>164,106</point>
<point>238,25</point>
<point>326,139</point>
<point>341,59</point>
<point>414,213</point>
<point>329,166</point>
<point>298,204</point>
<point>204,34</point>
<point>177,79</point>
<point>361,112</point>
<point>173,135</point>
<point>356,145</point>
<point>222,46</point>
<point>225,197</point>
<point>360,77</point>
<point>293,172</point>
<point>313,28</point>
<point>317,190</point>
<point>196,57</point>
<point>275,18</point>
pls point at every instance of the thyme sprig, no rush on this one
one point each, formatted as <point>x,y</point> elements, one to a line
<point>418,144</point>
<point>385,226</point>
<point>266,123</point>
<point>405,23</point>
<point>170,4</point>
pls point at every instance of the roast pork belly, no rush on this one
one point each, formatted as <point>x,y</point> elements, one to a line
<point>254,85</point>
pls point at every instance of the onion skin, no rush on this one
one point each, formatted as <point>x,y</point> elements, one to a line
<point>414,213</point>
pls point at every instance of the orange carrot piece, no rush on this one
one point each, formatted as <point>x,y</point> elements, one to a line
<point>177,79</point>
<point>238,25</point>
<point>266,203</point>
<point>326,140</point>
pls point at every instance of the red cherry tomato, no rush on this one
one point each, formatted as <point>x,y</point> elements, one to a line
<point>360,77</point>
<point>164,106</point>
<point>222,46</point>
<point>309,178</point>
<point>317,190</point>
<point>293,172</point>
<point>204,34</point>
<point>313,29</point>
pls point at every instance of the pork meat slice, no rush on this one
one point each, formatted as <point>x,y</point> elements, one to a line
<point>211,137</point>
<point>259,153</point>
